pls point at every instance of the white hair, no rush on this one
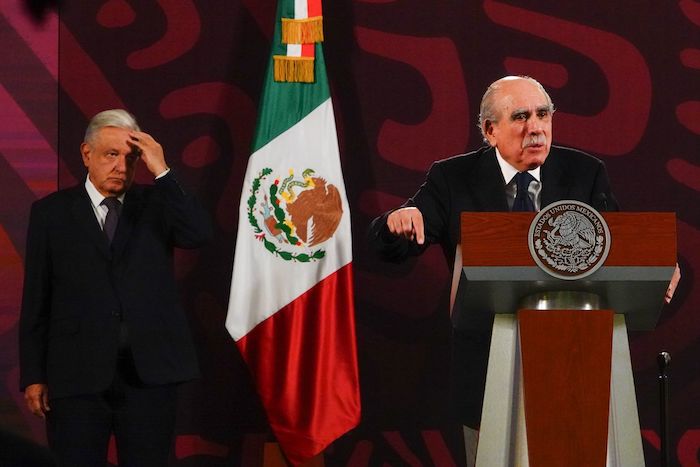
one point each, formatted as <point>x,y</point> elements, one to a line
<point>487,110</point>
<point>119,118</point>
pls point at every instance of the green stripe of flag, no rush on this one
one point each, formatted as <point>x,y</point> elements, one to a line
<point>284,104</point>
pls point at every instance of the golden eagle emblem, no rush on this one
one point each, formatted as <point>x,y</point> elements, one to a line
<point>290,216</point>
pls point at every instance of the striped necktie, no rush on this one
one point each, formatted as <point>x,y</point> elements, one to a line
<point>522,198</point>
<point>110,226</point>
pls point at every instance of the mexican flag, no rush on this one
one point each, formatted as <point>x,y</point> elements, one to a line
<point>291,310</point>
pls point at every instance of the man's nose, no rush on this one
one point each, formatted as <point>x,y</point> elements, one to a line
<point>534,126</point>
<point>120,165</point>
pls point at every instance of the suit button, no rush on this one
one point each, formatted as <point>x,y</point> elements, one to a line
<point>117,314</point>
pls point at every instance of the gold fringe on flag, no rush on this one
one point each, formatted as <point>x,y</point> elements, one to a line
<point>302,31</point>
<point>293,69</point>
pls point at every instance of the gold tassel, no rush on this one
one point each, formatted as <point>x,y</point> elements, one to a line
<point>293,69</point>
<point>302,31</point>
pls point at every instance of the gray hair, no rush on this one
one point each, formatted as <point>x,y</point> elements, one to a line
<point>119,118</point>
<point>487,110</point>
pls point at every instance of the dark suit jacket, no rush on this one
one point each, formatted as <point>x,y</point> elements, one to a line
<point>474,182</point>
<point>77,289</point>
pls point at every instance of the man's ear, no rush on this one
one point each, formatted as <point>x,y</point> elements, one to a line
<point>488,132</point>
<point>85,151</point>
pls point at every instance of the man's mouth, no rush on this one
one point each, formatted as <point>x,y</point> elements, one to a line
<point>535,142</point>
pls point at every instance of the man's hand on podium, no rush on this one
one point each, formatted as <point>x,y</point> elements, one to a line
<point>673,284</point>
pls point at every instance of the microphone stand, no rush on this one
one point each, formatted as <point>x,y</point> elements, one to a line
<point>663,359</point>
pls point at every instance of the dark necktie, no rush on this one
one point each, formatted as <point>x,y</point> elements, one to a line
<point>522,199</point>
<point>113,205</point>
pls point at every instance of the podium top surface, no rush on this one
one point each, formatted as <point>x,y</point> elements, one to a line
<point>501,273</point>
<point>500,238</point>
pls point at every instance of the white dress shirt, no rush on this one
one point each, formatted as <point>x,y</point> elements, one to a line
<point>509,172</point>
<point>96,199</point>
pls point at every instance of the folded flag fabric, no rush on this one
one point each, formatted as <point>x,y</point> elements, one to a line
<point>291,308</point>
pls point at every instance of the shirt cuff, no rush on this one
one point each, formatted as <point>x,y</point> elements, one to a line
<point>163,174</point>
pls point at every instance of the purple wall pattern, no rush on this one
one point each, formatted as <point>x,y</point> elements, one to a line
<point>406,78</point>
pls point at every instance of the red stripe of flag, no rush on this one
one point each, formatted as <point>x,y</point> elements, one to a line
<point>314,8</point>
<point>304,361</point>
<point>307,50</point>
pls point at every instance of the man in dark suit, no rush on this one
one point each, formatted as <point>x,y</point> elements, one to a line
<point>516,121</point>
<point>103,339</point>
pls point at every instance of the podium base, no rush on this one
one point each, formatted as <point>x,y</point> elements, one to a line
<point>503,436</point>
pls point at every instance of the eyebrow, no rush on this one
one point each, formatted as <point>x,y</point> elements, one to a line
<point>524,111</point>
<point>133,150</point>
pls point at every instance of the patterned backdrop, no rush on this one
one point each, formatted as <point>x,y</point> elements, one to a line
<point>406,78</point>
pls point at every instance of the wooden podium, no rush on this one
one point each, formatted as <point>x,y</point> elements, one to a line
<point>559,389</point>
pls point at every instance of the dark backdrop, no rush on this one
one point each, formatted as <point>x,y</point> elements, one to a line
<point>406,78</point>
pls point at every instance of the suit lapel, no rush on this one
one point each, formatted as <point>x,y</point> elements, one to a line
<point>556,179</point>
<point>84,216</point>
<point>489,186</point>
<point>131,211</point>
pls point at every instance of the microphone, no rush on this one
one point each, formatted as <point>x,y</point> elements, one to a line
<point>663,359</point>
<point>600,201</point>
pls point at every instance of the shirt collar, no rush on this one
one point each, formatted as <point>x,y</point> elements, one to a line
<point>95,196</point>
<point>509,171</point>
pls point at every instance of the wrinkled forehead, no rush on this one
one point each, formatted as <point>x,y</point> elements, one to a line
<point>112,136</point>
<point>520,95</point>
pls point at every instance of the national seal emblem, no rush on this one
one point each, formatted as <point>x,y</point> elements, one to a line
<point>569,239</point>
<point>292,216</point>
